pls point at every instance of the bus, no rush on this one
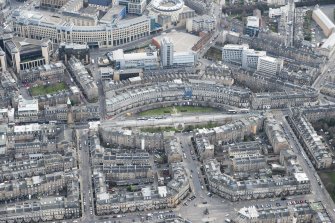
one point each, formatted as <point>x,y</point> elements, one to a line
<point>232,111</point>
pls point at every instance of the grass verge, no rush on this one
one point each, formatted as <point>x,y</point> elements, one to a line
<point>179,109</point>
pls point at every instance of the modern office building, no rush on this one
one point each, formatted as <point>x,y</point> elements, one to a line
<point>252,26</point>
<point>170,58</point>
<point>79,51</point>
<point>121,60</point>
<point>24,53</point>
<point>186,59</point>
<point>250,58</point>
<point>166,52</point>
<point>43,24</point>
<point>269,65</point>
<point>114,15</point>
<point>233,53</point>
<point>134,6</point>
<point>170,9</point>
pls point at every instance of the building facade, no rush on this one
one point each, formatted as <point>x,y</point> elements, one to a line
<point>269,65</point>
<point>120,60</point>
<point>166,52</point>
<point>103,35</point>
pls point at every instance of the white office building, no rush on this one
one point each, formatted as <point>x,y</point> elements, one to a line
<point>232,53</point>
<point>253,21</point>
<point>106,73</point>
<point>250,58</point>
<point>147,60</point>
<point>269,65</point>
<point>166,52</point>
<point>184,59</point>
<point>171,57</point>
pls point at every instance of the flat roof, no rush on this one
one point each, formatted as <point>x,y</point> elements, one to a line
<point>140,56</point>
<point>27,105</point>
<point>253,21</point>
<point>301,176</point>
<point>268,58</point>
<point>112,14</point>
<point>330,42</point>
<point>252,52</point>
<point>27,128</point>
<point>181,41</point>
<point>324,18</point>
<point>236,46</point>
<point>41,16</point>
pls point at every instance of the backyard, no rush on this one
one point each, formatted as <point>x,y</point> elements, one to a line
<point>47,89</point>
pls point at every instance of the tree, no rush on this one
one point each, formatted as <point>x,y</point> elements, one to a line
<point>131,188</point>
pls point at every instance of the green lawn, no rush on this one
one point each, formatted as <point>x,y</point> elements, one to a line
<point>179,109</point>
<point>47,89</point>
<point>328,180</point>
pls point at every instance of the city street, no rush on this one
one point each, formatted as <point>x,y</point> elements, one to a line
<point>134,179</point>
<point>87,202</point>
<point>173,120</point>
<point>319,192</point>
